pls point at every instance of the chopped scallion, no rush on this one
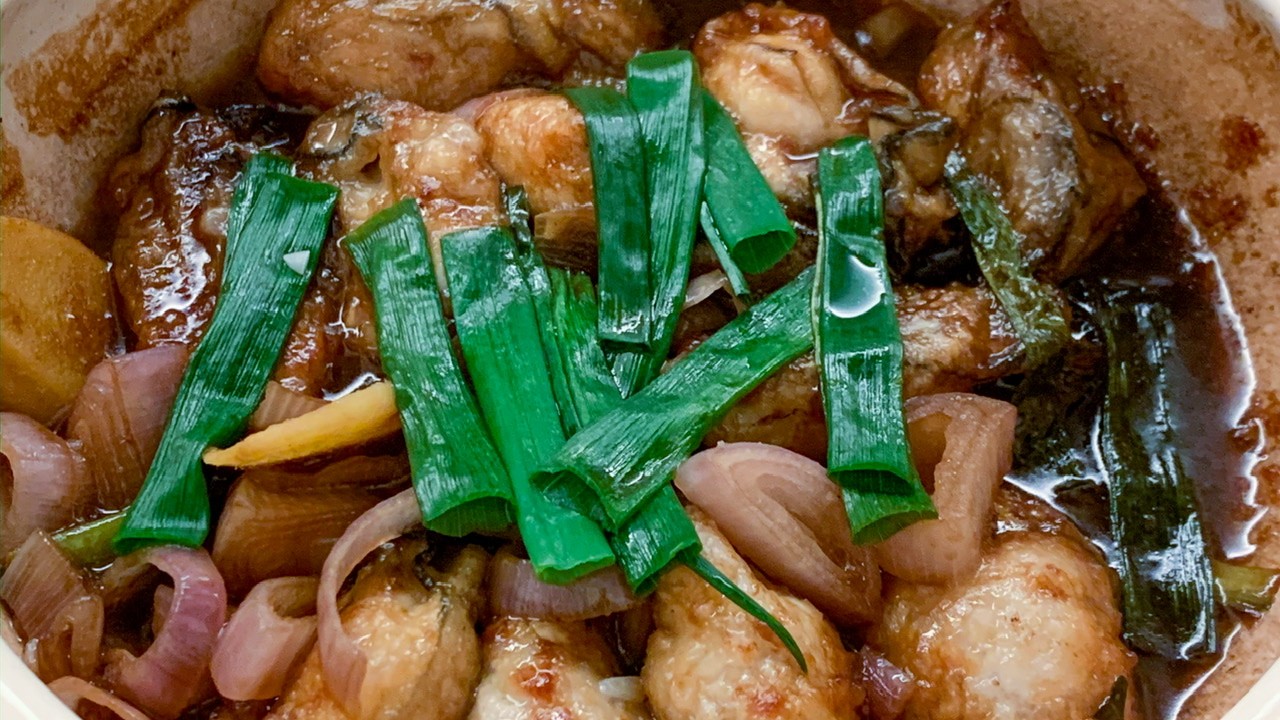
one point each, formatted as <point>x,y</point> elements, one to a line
<point>499,330</point>
<point>718,580</point>
<point>859,350</point>
<point>458,477</point>
<point>622,219</point>
<point>1169,602</point>
<point>273,214</point>
<point>1251,589</point>
<point>745,213</point>
<point>737,280</point>
<point>89,543</point>
<point>609,469</point>
<point>1035,308</point>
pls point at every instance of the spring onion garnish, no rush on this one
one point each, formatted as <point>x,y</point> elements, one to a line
<point>660,532</point>
<point>458,477</point>
<point>1169,603</point>
<point>726,587</point>
<point>1250,589</point>
<point>622,217</point>
<point>742,208</point>
<point>499,331</point>
<point>664,89</point>
<point>737,280</point>
<point>859,349</point>
<point>609,469</point>
<point>1113,707</point>
<point>1035,308</point>
<point>89,543</point>
<point>273,214</point>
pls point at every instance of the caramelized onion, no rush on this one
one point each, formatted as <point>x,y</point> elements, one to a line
<point>963,446</point>
<point>279,403</point>
<point>516,591</point>
<point>780,510</point>
<point>54,609</point>
<point>266,639</point>
<point>47,486</point>
<point>119,416</point>
<point>266,533</point>
<point>73,690</point>
<point>888,686</point>
<point>342,661</point>
<point>169,676</point>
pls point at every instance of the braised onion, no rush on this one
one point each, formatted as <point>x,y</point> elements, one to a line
<point>47,486</point>
<point>168,677</point>
<point>343,663</point>
<point>266,639</point>
<point>516,591</point>
<point>54,609</point>
<point>73,690</point>
<point>119,416</point>
<point>889,687</point>
<point>963,446</point>
<point>279,403</point>
<point>780,510</point>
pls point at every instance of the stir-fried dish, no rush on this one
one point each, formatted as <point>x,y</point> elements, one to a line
<point>541,359</point>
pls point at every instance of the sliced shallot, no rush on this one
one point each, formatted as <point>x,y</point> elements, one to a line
<point>279,403</point>
<point>343,663</point>
<point>516,591</point>
<point>963,446</point>
<point>119,416</point>
<point>54,609</point>
<point>381,473</point>
<point>170,675</point>
<point>704,286</point>
<point>72,690</point>
<point>888,686</point>
<point>265,533</point>
<point>782,512</point>
<point>266,639</point>
<point>47,486</point>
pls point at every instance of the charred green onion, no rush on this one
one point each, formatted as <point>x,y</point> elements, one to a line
<point>457,475</point>
<point>741,207</point>
<point>859,350</point>
<point>612,467</point>
<point>663,87</point>
<point>1035,308</point>
<point>1169,602</point>
<point>622,219</point>
<point>498,328</point>
<point>275,218</point>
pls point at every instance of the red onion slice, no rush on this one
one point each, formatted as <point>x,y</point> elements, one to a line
<point>47,486</point>
<point>53,608</point>
<point>279,403</point>
<point>781,511</point>
<point>889,687</point>
<point>169,676</point>
<point>72,690</point>
<point>963,446</point>
<point>343,662</point>
<point>119,416</point>
<point>516,591</point>
<point>266,640</point>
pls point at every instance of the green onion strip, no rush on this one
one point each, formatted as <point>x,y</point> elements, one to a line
<point>458,477</point>
<point>622,221</point>
<point>741,213</point>
<point>275,220</point>
<point>859,350</point>
<point>499,330</point>
<point>1035,308</point>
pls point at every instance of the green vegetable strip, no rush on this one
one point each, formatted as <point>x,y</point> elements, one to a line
<point>1113,707</point>
<point>657,535</point>
<point>89,543</point>
<point>499,331</point>
<point>737,280</point>
<point>737,596</point>
<point>457,475</point>
<point>1251,589</point>
<point>859,350</point>
<point>622,221</point>
<point>664,88</point>
<point>746,213</point>
<point>224,381</point>
<point>1169,603</point>
<point>1035,308</point>
<point>609,469</point>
